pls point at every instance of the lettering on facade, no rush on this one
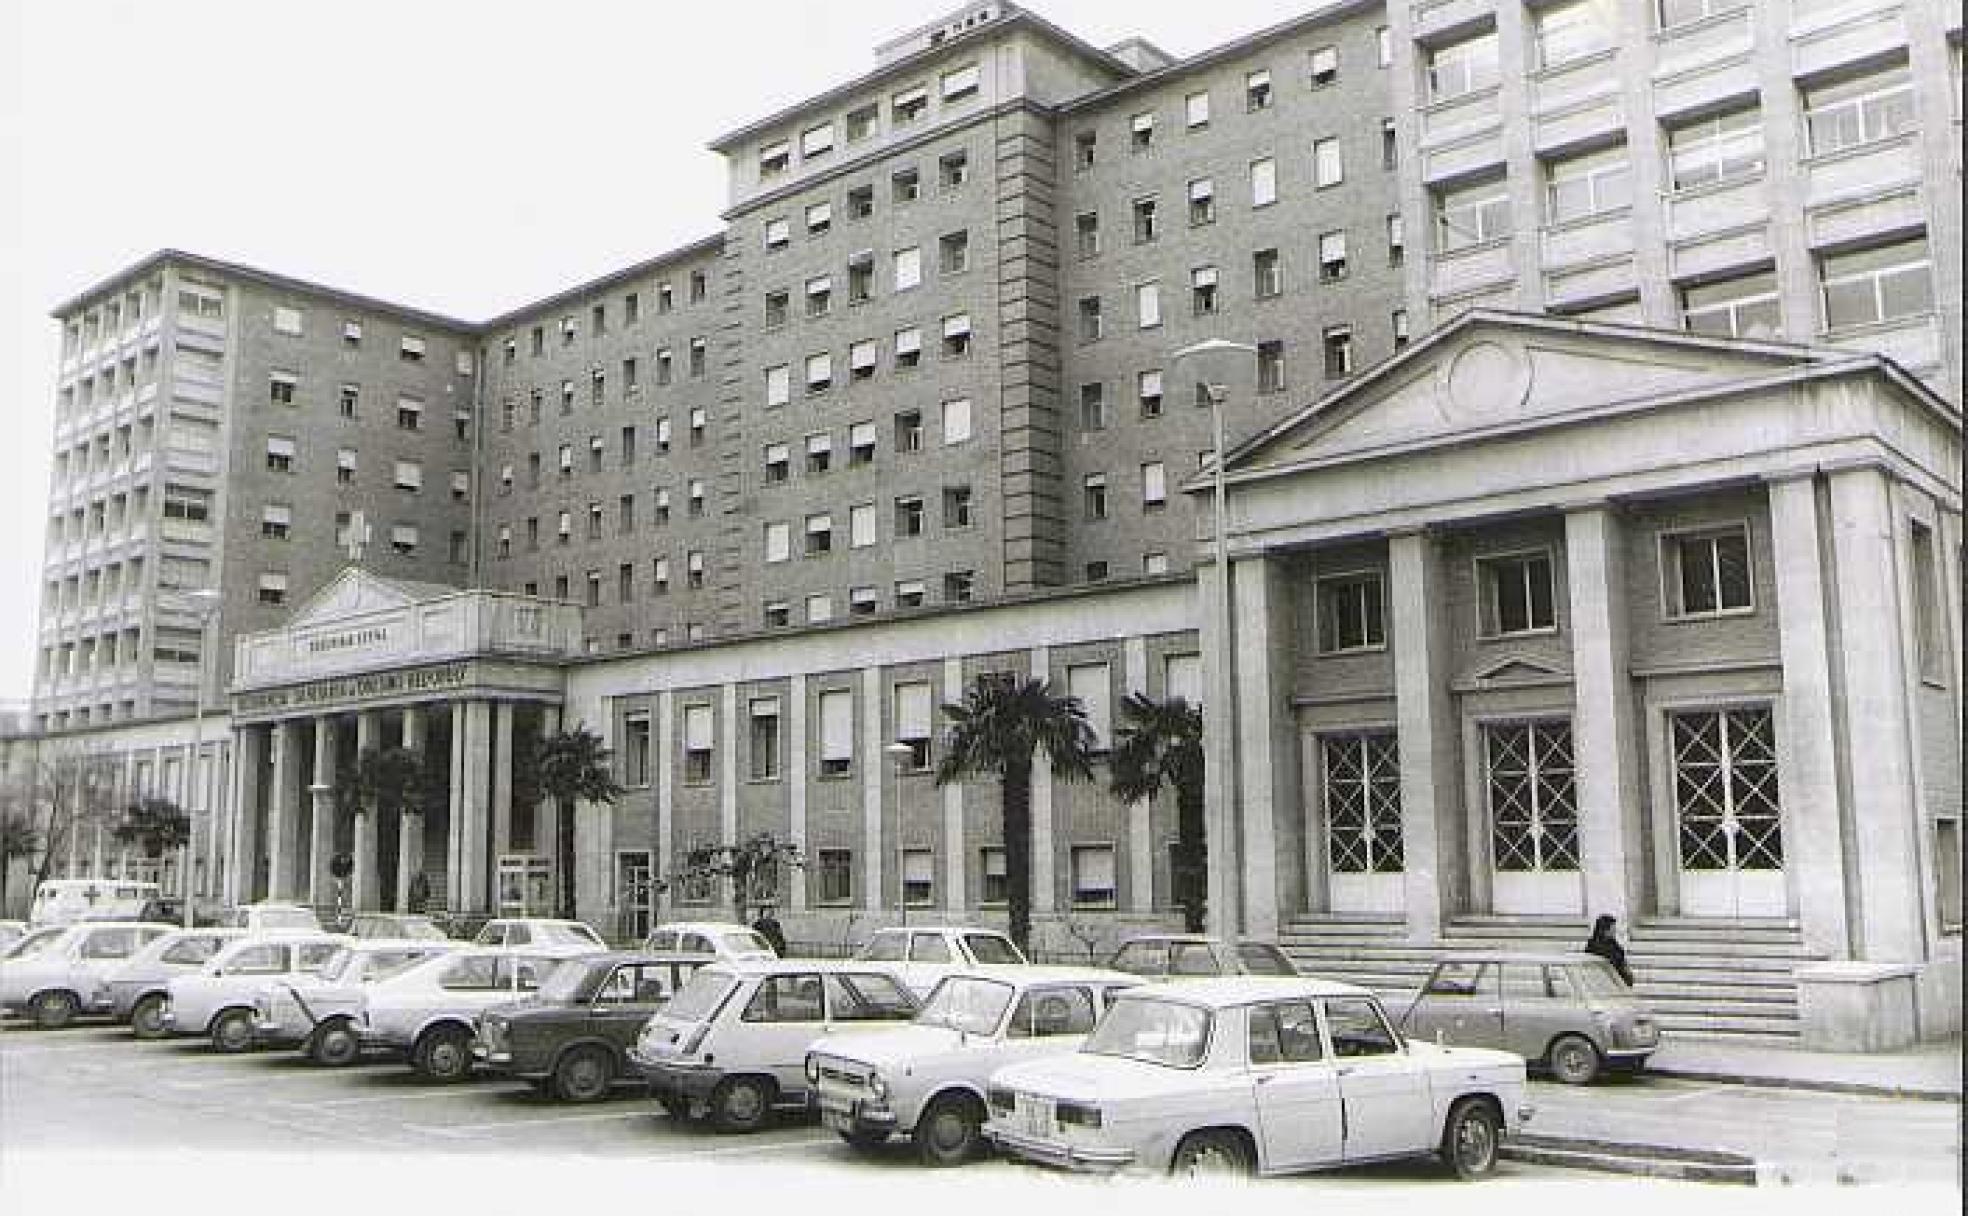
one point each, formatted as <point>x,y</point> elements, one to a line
<point>348,640</point>
<point>355,688</point>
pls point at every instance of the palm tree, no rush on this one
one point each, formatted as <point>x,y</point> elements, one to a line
<point>19,840</point>
<point>568,767</point>
<point>1161,743</point>
<point>1004,721</point>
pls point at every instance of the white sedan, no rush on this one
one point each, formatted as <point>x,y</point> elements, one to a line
<point>217,999</point>
<point>52,977</point>
<point>317,1012</point>
<point>1255,1075</point>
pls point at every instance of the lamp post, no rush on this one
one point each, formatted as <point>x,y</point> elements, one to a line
<point>1218,363</point>
<point>205,606</point>
<point>898,754</point>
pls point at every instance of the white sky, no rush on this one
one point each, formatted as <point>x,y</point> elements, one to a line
<point>465,156</point>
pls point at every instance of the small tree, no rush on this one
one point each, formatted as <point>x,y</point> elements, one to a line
<point>155,825</point>
<point>19,840</point>
<point>752,867</point>
<point>1160,743</point>
<point>568,767</point>
<point>1004,721</point>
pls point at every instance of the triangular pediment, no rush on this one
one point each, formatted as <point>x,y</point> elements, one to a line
<point>357,592</point>
<point>1517,669</point>
<point>1491,372</point>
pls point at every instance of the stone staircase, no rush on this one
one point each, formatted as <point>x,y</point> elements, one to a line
<point>1733,979</point>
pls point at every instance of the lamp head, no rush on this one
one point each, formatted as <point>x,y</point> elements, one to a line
<point>1225,369</point>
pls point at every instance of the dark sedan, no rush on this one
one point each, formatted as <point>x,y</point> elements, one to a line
<point>571,1038</point>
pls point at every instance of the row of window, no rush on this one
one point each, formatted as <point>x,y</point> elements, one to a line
<point>283,456</point>
<point>907,107</point>
<point>112,377</point>
<point>1090,874</point>
<point>904,187</point>
<point>284,388</point>
<point>125,314</point>
<point>569,326</point>
<point>410,348</point>
<point>1857,287</point>
<point>698,363</point>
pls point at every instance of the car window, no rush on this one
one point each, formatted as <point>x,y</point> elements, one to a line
<point>519,935</point>
<point>1044,1012</point>
<point>618,989</point>
<point>110,943</point>
<point>262,959</point>
<point>695,1001</point>
<point>1358,1029</point>
<point>1169,1033</point>
<point>654,983</point>
<point>741,941</point>
<point>966,1002</point>
<point>1193,958</point>
<point>191,950</point>
<point>475,974</point>
<point>1597,979</point>
<point>990,948</point>
<point>695,943</point>
<point>525,974</point>
<point>786,998</point>
<point>860,997</point>
<point>1462,979</point>
<point>1261,958</point>
<point>1285,1032</point>
<point>1529,982</point>
<point>884,948</point>
<point>1142,958</point>
<point>929,948</point>
<point>389,962</point>
<point>312,956</point>
<point>664,940</point>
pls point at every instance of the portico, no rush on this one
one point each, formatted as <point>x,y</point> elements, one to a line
<point>463,681</point>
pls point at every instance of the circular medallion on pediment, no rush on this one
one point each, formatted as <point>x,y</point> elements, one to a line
<point>1484,380</point>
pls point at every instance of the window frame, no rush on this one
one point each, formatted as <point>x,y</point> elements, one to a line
<point>1356,576</point>
<point>1668,538</point>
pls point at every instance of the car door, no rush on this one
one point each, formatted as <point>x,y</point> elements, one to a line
<point>629,997</point>
<point>1537,1007</point>
<point>1294,1087</point>
<point>1388,1107</point>
<point>782,1015</point>
<point>1458,1004</point>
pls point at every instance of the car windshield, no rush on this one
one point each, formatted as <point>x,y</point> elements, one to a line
<point>698,998</point>
<point>966,1003</point>
<point>1599,980</point>
<point>337,964</point>
<point>990,948</point>
<point>411,928</point>
<point>884,948</point>
<point>1262,959</point>
<point>554,933</point>
<point>285,918</point>
<point>34,943</point>
<point>1168,1033</point>
<point>744,941</point>
<point>571,982</point>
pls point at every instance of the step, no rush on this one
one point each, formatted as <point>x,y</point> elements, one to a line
<point>1669,1019</point>
<point>1732,992</point>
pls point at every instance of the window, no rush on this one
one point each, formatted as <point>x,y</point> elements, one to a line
<point>1085,149</point>
<point>861,526</point>
<point>1349,611</point>
<point>699,351</point>
<point>1357,1028</point>
<point>861,277</point>
<point>280,387</point>
<point>816,142</point>
<point>909,431</point>
<point>995,888</point>
<point>778,542</point>
<point>956,336</point>
<point>1093,875</point>
<point>1459,68</point>
<point>1471,215</point>
<point>836,708</point>
<point>1141,132</point>
<point>778,385</point>
<point>287,321</point>
<point>1202,202</point>
<point>861,122</point>
<point>908,268</point>
<point>1569,31</point>
<point>350,399</point>
<point>635,750</point>
<point>915,722</point>
<point>861,442</point>
<point>960,84</point>
<point>1336,343</point>
<point>409,414</point>
<point>953,252</point>
<point>764,749</point>
<point>411,349</point>
<point>819,295</point>
<point>1086,233</point>
<point>1154,486</point>
<point>1148,305</point>
<point>273,589</point>
<point>697,737</point>
<point>276,520</point>
<point>908,105</point>
<point>835,873</point>
<point>819,609</point>
<point>819,534</point>
<point>956,423</point>
<point>819,372</point>
<point>1681,12</point>
<point>1202,290</point>
<point>1257,90</point>
<point>693,569</point>
<point>1718,148</point>
<point>819,452</point>
<point>1398,323</point>
<point>280,454</point>
<point>1705,573</point>
<point>1326,167</point>
<point>1516,593</point>
<point>1947,873</point>
<point>1148,390</point>
<point>409,476</point>
<point>1089,312</point>
<point>625,515</point>
<point>908,516</point>
<point>659,575</point>
<point>665,372</point>
<point>1271,367</point>
<point>1332,257</point>
<point>860,202</point>
<point>1390,144</point>
<point>1093,406</point>
<point>1324,66</point>
<point>594,589</point>
<point>956,507</point>
<point>1383,46</point>
<point>662,435</point>
<point>1143,211</point>
<point>1883,283</point>
<point>908,348</point>
<point>1859,110</point>
<point>696,493</point>
<point>905,186</point>
<point>1196,110</point>
<point>1267,274</point>
<point>1587,184</point>
<point>1929,623</point>
<point>1725,786</point>
<point>1742,307</point>
<point>953,169</point>
<point>1094,495</point>
<point>775,158</point>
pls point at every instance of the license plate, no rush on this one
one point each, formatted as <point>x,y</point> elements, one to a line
<point>1037,1116</point>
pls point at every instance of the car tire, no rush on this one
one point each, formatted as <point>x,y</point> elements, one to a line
<point>741,1104</point>
<point>1212,1154</point>
<point>232,1031</point>
<point>1572,1059</point>
<point>54,1010</point>
<point>335,1045</point>
<point>443,1054</point>
<point>147,1017</point>
<point>1470,1137</point>
<point>583,1075</point>
<point>950,1132</point>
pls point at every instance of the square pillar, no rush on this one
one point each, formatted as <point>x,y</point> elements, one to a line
<point>1604,735</point>
<point>954,889</point>
<point>1267,755</point>
<point>1044,851</point>
<point>283,812</point>
<point>502,777</point>
<point>454,868</point>
<point>1226,857</point>
<point>474,805</point>
<point>410,827</point>
<point>793,889</point>
<point>363,895</point>
<point>1426,734</point>
<point>321,815</point>
<point>243,860</point>
<point>873,772</point>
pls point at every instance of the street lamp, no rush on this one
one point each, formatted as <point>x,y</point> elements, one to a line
<point>898,754</point>
<point>1219,363</point>
<point>205,606</point>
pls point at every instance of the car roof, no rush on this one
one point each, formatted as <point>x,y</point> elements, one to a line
<point>700,926</point>
<point>115,924</point>
<point>1199,939</point>
<point>535,920</point>
<point>1553,957</point>
<point>1223,992</point>
<point>1026,975</point>
<point>748,967</point>
<point>958,929</point>
<point>291,936</point>
<point>361,944</point>
<point>615,958</point>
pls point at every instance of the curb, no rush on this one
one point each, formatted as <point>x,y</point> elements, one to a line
<point>1811,1084</point>
<point>1635,1160</point>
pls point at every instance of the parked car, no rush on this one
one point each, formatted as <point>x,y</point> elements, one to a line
<point>1569,1012</point>
<point>316,1012</point>
<point>139,985</point>
<point>396,926</point>
<point>537,931</point>
<point>67,901</point>
<point>708,939</point>
<point>1255,1074</point>
<point>272,918</point>
<point>54,978</point>
<point>1180,955</point>
<point>11,931</point>
<point>732,1043</point>
<point>572,1037</point>
<point>426,1013</point>
<point>216,1000</point>
<point>36,938</point>
<point>921,955</point>
<point>927,1080</point>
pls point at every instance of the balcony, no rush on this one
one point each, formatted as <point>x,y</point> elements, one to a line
<point>1912,342</point>
<point>1588,240</point>
<point>1894,209</point>
<point>1459,117</point>
<point>1471,269</point>
<point>205,333</point>
<point>1469,154</point>
<point>1576,101</point>
<point>1704,84</point>
<point>1431,19</point>
<point>1697,44</point>
<point>1833,34</point>
<point>1714,252</point>
<point>186,531</point>
<point>1722,207</point>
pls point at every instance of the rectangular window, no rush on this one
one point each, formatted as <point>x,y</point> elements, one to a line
<point>1089,313</point>
<point>1569,31</point>
<point>1362,801</point>
<point>1093,489</point>
<point>403,539</point>
<point>775,157</point>
<point>1086,233</point>
<point>1264,182</point>
<point>1202,202</point>
<point>918,877</point>
<point>956,422</point>
<point>1706,573</point>
<point>907,105</point>
<point>697,744</point>
<point>834,875</point>
<point>836,732</point>
<point>1883,283</point>
<point>778,542</point>
<point>778,385</point>
<point>1257,90</point>
<point>1517,595</point>
<point>1267,274</point>
<point>280,454</point>
<point>1716,148</point>
<point>905,186</point>
<point>1456,69</point>
<point>1682,12</point>
<point>764,739</point>
<point>1154,486</point>
<point>1398,323</point>
<point>915,722</point>
<point>908,516</point>
<point>909,431</point>
<point>1141,132</point>
<point>1591,183</point>
<point>953,169</point>
<point>1349,610</point>
<point>819,534</point>
<point>816,141</point>
<point>273,589</point>
<point>991,866</point>
<point>1093,876</point>
<point>1085,149</point>
<point>861,277</point>
<point>1143,210</point>
<point>861,443</point>
<point>1324,65</point>
<point>1947,873</point>
<point>953,252</point>
<point>411,349</point>
<point>960,84</point>
<point>956,335</point>
<point>1326,167</point>
<point>287,321</point>
<point>1743,307</point>
<point>819,372</point>
<point>908,268</point>
<point>280,387</point>
<point>1859,110</point>
<point>1196,110</point>
<point>1093,406</point>
<point>908,348</point>
<point>276,520</point>
<point>1271,367</point>
<point>956,507</point>
<point>1148,390</point>
<point>409,475</point>
<point>861,526</point>
<point>1336,343</point>
<point>1929,621</point>
<point>819,609</point>
<point>635,750</point>
<point>819,295</point>
<point>861,360</point>
<point>1148,305</point>
<point>1471,215</point>
<point>1332,257</point>
<point>860,202</point>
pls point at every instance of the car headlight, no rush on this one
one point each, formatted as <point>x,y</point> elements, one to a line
<point>877,1086</point>
<point>812,1071</point>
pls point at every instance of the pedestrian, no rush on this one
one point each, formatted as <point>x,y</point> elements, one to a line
<point>1606,946</point>
<point>768,928</point>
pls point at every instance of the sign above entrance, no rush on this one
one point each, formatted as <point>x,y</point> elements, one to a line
<point>367,686</point>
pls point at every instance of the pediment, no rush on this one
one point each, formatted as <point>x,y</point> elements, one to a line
<point>1513,671</point>
<point>353,592</point>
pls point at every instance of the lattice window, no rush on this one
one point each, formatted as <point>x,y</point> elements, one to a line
<point>1532,795</point>
<point>1363,803</point>
<point>1725,790</point>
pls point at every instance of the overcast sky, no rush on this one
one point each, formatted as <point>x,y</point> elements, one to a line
<point>464,156</point>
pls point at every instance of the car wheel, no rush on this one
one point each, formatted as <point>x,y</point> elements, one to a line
<point>741,1104</point>
<point>443,1054</point>
<point>232,1031</point>
<point>1573,1059</point>
<point>1469,1138</point>
<point>147,1018</point>
<point>950,1132</point>
<point>54,1010</point>
<point>335,1045</point>
<point>583,1075</point>
<point>1212,1155</point>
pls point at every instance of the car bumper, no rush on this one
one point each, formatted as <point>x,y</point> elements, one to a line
<point>504,1062</point>
<point>1064,1156</point>
<point>856,1115</point>
<point>1629,1059</point>
<point>270,1033</point>
<point>373,1039</point>
<point>690,1082</point>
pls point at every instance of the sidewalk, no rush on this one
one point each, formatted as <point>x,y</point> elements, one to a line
<point>1930,1070</point>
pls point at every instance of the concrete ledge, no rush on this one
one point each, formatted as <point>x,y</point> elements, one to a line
<point>1870,1089</point>
<point>1857,1006</point>
<point>1636,1160</point>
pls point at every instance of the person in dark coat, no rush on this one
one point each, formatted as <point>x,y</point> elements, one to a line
<point>1606,946</point>
<point>767,927</point>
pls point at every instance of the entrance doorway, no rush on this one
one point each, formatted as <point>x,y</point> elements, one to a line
<point>635,894</point>
<point>525,885</point>
<point>1361,794</point>
<point>1728,821</point>
<point>1532,799</point>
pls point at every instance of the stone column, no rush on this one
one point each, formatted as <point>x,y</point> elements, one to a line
<point>283,811</point>
<point>1425,718</point>
<point>873,776</point>
<point>502,777</point>
<point>321,816</point>
<point>793,886</point>
<point>546,817</point>
<point>1267,753</point>
<point>363,895</point>
<point>1044,851</point>
<point>454,870</point>
<point>1882,866</point>
<point>1814,849</point>
<point>474,840</point>
<point>954,893</point>
<point>1225,884</point>
<point>1604,734</point>
<point>243,861</point>
<point>410,827</point>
